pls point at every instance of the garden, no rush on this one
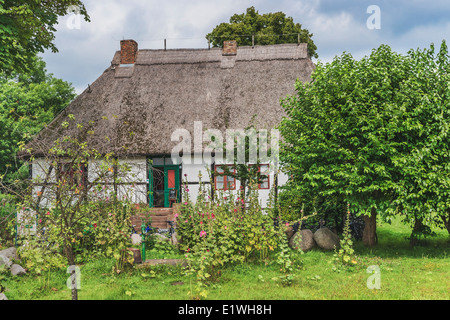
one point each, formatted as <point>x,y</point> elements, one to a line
<point>232,251</point>
<point>365,147</point>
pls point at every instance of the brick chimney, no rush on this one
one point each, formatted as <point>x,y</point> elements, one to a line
<point>229,48</point>
<point>128,51</point>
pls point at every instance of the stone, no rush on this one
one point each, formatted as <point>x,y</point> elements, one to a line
<point>326,239</point>
<point>171,262</point>
<point>161,237</point>
<point>3,297</point>
<point>10,253</point>
<point>136,239</point>
<point>174,239</point>
<point>5,261</point>
<point>17,270</point>
<point>303,240</point>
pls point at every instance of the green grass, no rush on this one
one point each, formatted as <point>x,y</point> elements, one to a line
<point>421,272</point>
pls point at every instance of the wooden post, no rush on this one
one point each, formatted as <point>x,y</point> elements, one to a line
<point>253,40</point>
<point>165,44</point>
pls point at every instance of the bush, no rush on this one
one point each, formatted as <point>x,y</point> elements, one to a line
<point>103,231</point>
<point>7,218</point>
<point>227,230</point>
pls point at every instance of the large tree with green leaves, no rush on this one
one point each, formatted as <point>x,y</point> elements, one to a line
<point>372,132</point>
<point>268,28</point>
<point>27,28</point>
<point>423,191</point>
<point>28,101</point>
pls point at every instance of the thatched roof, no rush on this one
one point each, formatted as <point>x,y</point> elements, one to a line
<point>169,89</point>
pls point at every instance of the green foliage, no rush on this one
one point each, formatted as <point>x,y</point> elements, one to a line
<point>372,132</point>
<point>161,248</point>
<point>225,231</point>
<point>28,101</point>
<point>27,28</point>
<point>101,231</point>
<point>269,28</point>
<point>81,214</point>
<point>7,218</point>
<point>344,257</point>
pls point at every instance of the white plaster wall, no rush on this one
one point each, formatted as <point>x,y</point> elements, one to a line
<point>40,169</point>
<point>191,172</point>
<point>134,185</point>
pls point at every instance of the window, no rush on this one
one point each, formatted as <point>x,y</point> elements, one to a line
<point>222,181</point>
<point>68,173</point>
<point>263,171</point>
<point>263,176</point>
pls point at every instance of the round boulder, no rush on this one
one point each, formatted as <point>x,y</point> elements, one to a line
<point>326,239</point>
<point>10,253</point>
<point>17,270</point>
<point>5,261</point>
<point>303,239</point>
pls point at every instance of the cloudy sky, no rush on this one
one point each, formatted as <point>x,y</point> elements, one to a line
<point>86,48</point>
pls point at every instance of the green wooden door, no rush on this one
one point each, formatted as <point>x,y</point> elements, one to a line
<point>164,185</point>
<point>171,185</point>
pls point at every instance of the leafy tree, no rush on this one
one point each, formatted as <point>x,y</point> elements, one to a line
<point>27,28</point>
<point>73,182</point>
<point>246,147</point>
<point>27,102</point>
<point>269,28</point>
<point>373,133</point>
<point>341,134</point>
<point>423,190</point>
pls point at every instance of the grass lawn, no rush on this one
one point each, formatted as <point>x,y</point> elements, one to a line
<point>421,272</point>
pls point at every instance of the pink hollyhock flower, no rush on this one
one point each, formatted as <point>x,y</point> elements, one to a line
<point>287,224</point>
<point>176,215</point>
<point>185,203</point>
<point>202,233</point>
<point>185,221</point>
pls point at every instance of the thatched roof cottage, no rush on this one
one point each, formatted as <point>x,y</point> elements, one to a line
<point>156,92</point>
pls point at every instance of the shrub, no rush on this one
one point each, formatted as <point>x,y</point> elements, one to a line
<point>102,231</point>
<point>226,229</point>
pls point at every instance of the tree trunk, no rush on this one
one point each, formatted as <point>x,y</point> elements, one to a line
<point>71,260</point>
<point>446,220</point>
<point>370,229</point>
<point>414,239</point>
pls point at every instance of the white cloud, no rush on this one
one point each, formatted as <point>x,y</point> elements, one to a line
<point>86,52</point>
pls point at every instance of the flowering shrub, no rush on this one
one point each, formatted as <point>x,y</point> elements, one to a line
<point>226,229</point>
<point>103,231</point>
